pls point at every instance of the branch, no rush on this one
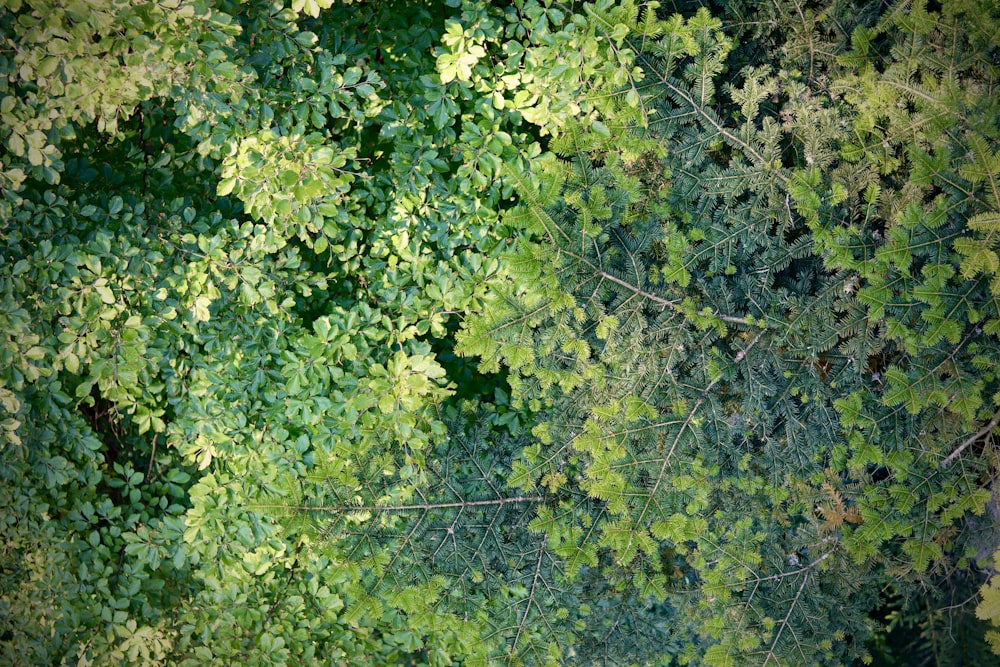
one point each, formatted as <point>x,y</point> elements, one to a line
<point>743,353</point>
<point>531,600</point>
<point>402,508</point>
<point>971,439</point>
<point>782,575</point>
<point>629,286</point>
<point>785,623</point>
<point>666,459</point>
<point>732,319</point>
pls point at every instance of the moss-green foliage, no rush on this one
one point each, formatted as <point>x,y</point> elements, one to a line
<point>729,277</point>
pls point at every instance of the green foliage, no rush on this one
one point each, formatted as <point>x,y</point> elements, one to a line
<point>731,285</point>
<point>989,607</point>
<point>234,234</point>
<point>738,371</point>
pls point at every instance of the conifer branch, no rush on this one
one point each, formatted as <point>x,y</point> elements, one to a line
<point>971,439</point>
<point>665,303</point>
<point>652,297</point>
<point>803,569</point>
<point>661,474</point>
<point>333,509</point>
<point>531,600</point>
<point>721,129</point>
<point>786,621</point>
<point>743,353</point>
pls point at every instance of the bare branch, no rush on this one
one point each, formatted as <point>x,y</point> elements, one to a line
<point>334,509</point>
<point>984,431</point>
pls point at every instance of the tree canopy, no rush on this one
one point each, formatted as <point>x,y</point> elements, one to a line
<point>454,332</point>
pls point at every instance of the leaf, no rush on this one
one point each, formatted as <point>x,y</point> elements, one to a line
<point>107,296</point>
<point>225,186</point>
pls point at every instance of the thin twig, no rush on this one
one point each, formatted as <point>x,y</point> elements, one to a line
<point>633,288</point>
<point>743,353</point>
<point>403,508</point>
<point>971,439</point>
<point>666,459</point>
<point>786,622</point>
<point>531,600</point>
<point>152,458</point>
